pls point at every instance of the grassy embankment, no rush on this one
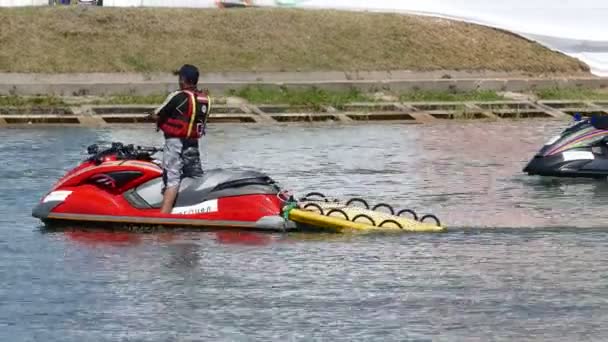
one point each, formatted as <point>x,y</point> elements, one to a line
<point>65,40</point>
<point>72,40</point>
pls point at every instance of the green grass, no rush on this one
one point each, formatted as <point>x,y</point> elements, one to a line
<point>83,39</point>
<point>38,101</point>
<point>312,97</point>
<point>51,101</point>
<point>571,94</point>
<point>447,96</point>
<point>130,100</point>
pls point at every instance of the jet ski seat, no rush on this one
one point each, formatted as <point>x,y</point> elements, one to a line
<point>213,184</point>
<point>599,121</point>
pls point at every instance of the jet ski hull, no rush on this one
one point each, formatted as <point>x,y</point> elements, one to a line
<point>580,151</point>
<point>560,166</point>
<point>220,213</point>
<point>124,188</point>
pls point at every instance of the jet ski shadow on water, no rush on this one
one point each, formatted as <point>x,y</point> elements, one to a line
<point>120,187</point>
<point>580,151</point>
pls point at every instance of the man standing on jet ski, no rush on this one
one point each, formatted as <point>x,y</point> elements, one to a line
<point>182,119</point>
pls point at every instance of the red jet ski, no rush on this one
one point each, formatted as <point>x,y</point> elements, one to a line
<point>122,184</point>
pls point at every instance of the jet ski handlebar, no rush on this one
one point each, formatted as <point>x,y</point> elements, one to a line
<point>122,151</point>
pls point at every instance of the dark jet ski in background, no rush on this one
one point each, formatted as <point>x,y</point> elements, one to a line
<point>581,150</point>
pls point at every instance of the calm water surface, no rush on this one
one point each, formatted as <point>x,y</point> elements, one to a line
<point>526,259</point>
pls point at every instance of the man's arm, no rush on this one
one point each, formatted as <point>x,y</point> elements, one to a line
<point>153,116</point>
<point>166,108</point>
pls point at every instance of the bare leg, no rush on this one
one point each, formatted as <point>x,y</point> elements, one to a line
<point>169,199</point>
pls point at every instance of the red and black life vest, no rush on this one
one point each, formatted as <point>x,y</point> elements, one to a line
<point>188,123</point>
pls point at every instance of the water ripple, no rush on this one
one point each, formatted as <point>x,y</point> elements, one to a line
<point>514,272</point>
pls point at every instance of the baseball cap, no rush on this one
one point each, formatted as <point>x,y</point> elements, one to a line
<point>188,73</point>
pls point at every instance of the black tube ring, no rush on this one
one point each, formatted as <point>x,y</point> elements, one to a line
<point>353,200</point>
<point>313,194</point>
<point>431,217</point>
<point>314,205</point>
<point>409,211</point>
<point>338,211</point>
<point>364,216</point>
<point>384,205</point>
<point>391,221</point>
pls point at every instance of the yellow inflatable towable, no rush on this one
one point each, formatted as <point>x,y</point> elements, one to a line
<point>323,213</point>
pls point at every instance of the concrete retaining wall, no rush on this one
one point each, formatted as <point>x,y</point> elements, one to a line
<point>398,81</point>
<point>403,112</point>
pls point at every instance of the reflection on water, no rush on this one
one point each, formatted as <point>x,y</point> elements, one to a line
<point>494,279</point>
<point>468,174</point>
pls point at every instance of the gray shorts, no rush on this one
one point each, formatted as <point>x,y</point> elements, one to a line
<point>181,159</point>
